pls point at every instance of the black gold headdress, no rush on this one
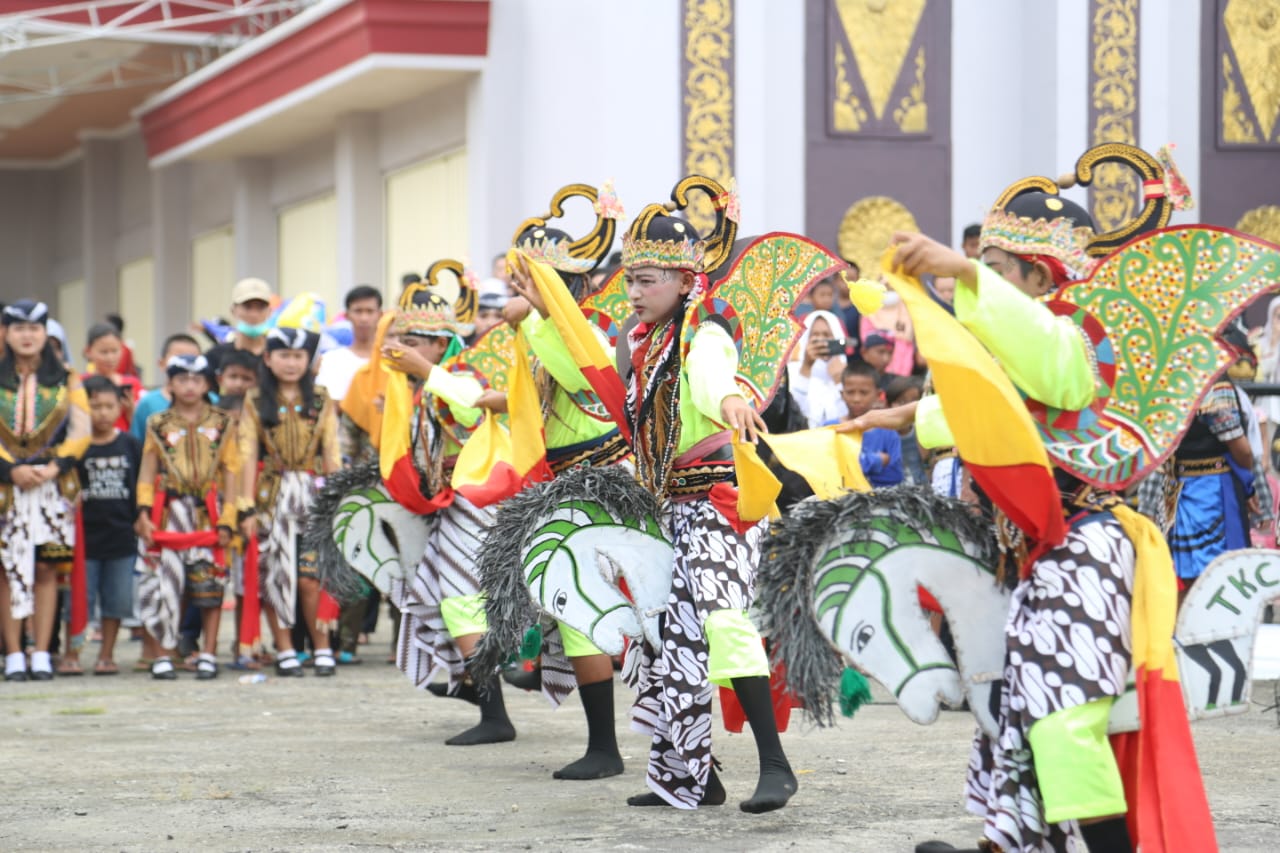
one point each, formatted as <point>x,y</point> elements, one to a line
<point>657,239</point>
<point>1030,217</point>
<point>557,248</point>
<point>425,310</point>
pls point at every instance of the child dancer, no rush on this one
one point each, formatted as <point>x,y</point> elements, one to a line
<point>288,439</point>
<point>187,491</point>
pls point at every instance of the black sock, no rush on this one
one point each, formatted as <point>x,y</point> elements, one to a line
<point>494,726</point>
<point>1108,836</point>
<point>602,758</point>
<point>466,691</point>
<point>777,783</point>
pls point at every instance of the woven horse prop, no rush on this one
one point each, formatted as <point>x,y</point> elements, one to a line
<point>565,550</point>
<point>844,574</point>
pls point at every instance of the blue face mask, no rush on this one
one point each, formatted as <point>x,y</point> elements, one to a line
<point>252,331</point>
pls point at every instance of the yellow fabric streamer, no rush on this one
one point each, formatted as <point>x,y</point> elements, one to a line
<point>367,385</point>
<point>397,418</point>
<point>1155,594</point>
<point>866,295</point>
<point>828,460</point>
<point>758,488</point>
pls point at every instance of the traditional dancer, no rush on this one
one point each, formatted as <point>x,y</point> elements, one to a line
<point>684,403</point>
<point>188,488</point>
<point>442,609</point>
<point>1087,561</point>
<point>289,439</point>
<point>579,432</point>
<point>44,430</point>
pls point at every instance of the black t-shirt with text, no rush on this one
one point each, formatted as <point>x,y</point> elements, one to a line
<point>109,481</point>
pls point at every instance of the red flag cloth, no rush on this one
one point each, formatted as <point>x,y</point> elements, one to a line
<point>327,612</point>
<point>250,610</point>
<point>79,581</point>
<point>724,498</point>
<point>731,709</point>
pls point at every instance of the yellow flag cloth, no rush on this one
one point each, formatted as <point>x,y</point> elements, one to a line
<point>758,488</point>
<point>828,460</point>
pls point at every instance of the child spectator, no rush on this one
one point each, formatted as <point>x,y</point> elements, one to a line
<point>191,448</point>
<point>877,351</point>
<point>109,478</point>
<point>881,448</point>
<point>158,399</point>
<point>899,391</point>
<point>103,352</point>
<point>236,376</point>
<point>821,297</point>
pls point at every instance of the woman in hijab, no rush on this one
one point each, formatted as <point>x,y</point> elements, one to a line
<point>815,375</point>
<point>1269,364</point>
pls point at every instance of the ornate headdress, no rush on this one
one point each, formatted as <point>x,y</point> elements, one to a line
<point>196,365</point>
<point>557,248</point>
<point>657,239</point>
<point>1030,218</point>
<point>424,311</point>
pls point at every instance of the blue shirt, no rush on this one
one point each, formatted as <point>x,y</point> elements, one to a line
<point>874,442</point>
<point>153,401</point>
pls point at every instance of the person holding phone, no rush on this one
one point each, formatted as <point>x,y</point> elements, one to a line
<point>816,374</point>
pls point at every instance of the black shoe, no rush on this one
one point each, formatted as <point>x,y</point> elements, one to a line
<point>206,670</point>
<point>289,672</point>
<point>325,665</point>
<point>162,669</point>
<point>20,675</point>
<point>42,675</point>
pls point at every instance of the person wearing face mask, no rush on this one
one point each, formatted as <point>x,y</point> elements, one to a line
<point>251,312</point>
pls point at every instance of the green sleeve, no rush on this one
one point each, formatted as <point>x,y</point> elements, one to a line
<point>1044,355</point>
<point>711,366</point>
<point>459,393</point>
<point>545,341</point>
<point>932,430</point>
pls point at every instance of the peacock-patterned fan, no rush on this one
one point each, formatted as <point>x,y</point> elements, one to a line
<point>1152,311</point>
<point>764,284</point>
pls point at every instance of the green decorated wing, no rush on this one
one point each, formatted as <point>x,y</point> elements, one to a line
<point>755,300</point>
<point>1153,310</point>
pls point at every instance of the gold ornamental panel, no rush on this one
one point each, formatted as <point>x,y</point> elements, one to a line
<point>1262,222</point>
<point>708,98</point>
<point>1114,99</point>
<point>868,226</point>
<point>879,35</point>
<point>1250,88</point>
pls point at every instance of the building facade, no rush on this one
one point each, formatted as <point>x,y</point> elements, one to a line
<point>357,140</point>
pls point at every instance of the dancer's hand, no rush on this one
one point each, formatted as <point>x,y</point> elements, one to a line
<point>494,401</point>
<point>516,309</point>
<point>920,255</point>
<point>896,418</point>
<point>522,283</point>
<point>737,414</point>
<point>406,360</point>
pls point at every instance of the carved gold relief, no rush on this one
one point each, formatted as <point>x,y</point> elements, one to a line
<point>1114,61</point>
<point>1262,222</point>
<point>867,227</point>
<point>847,111</point>
<point>1236,125</point>
<point>880,33</point>
<point>708,98</point>
<point>912,114</point>
<point>1253,30</point>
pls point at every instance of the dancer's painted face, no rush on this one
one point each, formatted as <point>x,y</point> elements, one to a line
<point>655,293</point>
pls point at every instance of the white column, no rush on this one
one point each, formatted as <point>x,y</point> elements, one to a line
<point>358,188</point>
<point>1169,85</point>
<point>254,222</point>
<point>98,237</point>
<point>769,107</point>
<point>171,249</point>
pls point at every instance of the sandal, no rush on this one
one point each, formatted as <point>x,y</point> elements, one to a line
<point>69,666</point>
<point>106,667</point>
<point>142,665</point>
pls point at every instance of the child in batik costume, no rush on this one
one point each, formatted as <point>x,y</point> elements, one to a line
<point>441,606</point>
<point>44,430</point>
<point>578,432</point>
<point>1052,775</point>
<point>188,487</point>
<point>288,442</point>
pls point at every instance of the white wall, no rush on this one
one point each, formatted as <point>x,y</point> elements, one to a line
<point>1169,86</point>
<point>1019,95</point>
<point>601,84</point>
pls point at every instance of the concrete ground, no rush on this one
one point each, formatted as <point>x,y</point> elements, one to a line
<point>357,762</point>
